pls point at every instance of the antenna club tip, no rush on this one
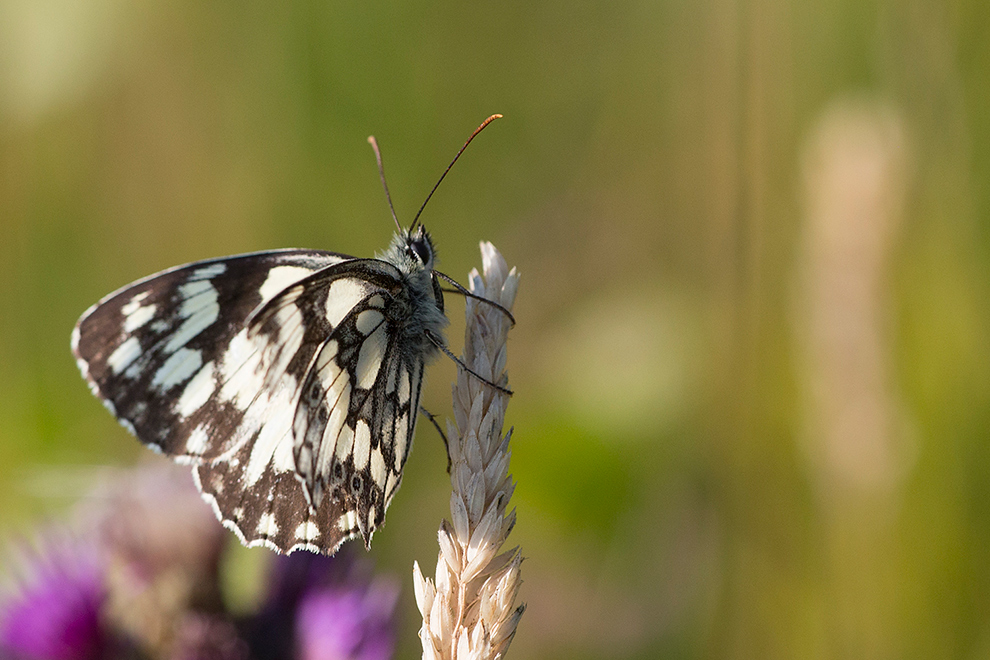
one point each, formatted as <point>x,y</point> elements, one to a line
<point>371,139</point>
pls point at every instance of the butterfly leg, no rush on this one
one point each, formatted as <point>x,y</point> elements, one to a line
<point>446,445</point>
<point>439,344</point>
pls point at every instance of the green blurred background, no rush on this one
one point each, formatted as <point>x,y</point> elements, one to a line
<point>751,367</point>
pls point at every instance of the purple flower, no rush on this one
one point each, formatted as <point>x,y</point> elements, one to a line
<point>56,614</point>
<point>325,608</point>
<point>353,622</point>
<point>144,583</point>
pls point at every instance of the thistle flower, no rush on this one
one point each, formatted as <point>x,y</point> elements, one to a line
<point>468,612</point>
<point>325,608</point>
<point>355,622</point>
<point>142,581</point>
<point>55,613</point>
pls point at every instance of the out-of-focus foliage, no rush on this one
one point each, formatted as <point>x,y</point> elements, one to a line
<point>753,404</point>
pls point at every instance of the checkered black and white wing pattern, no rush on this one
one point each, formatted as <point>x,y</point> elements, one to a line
<point>354,416</point>
<point>284,378</point>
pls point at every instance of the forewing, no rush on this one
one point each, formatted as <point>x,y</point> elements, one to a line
<point>173,357</point>
<point>150,351</point>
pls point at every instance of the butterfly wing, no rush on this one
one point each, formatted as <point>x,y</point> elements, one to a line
<point>174,359</point>
<point>356,412</point>
<point>147,349</point>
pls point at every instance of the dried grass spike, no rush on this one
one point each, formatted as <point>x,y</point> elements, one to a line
<point>469,611</point>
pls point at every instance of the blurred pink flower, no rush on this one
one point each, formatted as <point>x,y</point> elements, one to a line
<point>55,615</point>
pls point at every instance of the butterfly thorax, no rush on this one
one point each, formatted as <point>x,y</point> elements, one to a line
<point>419,306</point>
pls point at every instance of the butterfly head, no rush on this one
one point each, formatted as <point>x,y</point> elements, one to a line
<point>412,252</point>
<point>417,249</point>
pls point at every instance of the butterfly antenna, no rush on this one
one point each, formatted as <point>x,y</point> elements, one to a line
<point>381,175</point>
<point>476,131</point>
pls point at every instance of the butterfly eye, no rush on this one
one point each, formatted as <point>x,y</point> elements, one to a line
<point>422,251</point>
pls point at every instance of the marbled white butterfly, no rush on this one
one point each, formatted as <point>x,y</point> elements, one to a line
<point>289,380</point>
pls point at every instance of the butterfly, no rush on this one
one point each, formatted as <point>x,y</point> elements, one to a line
<point>289,380</point>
